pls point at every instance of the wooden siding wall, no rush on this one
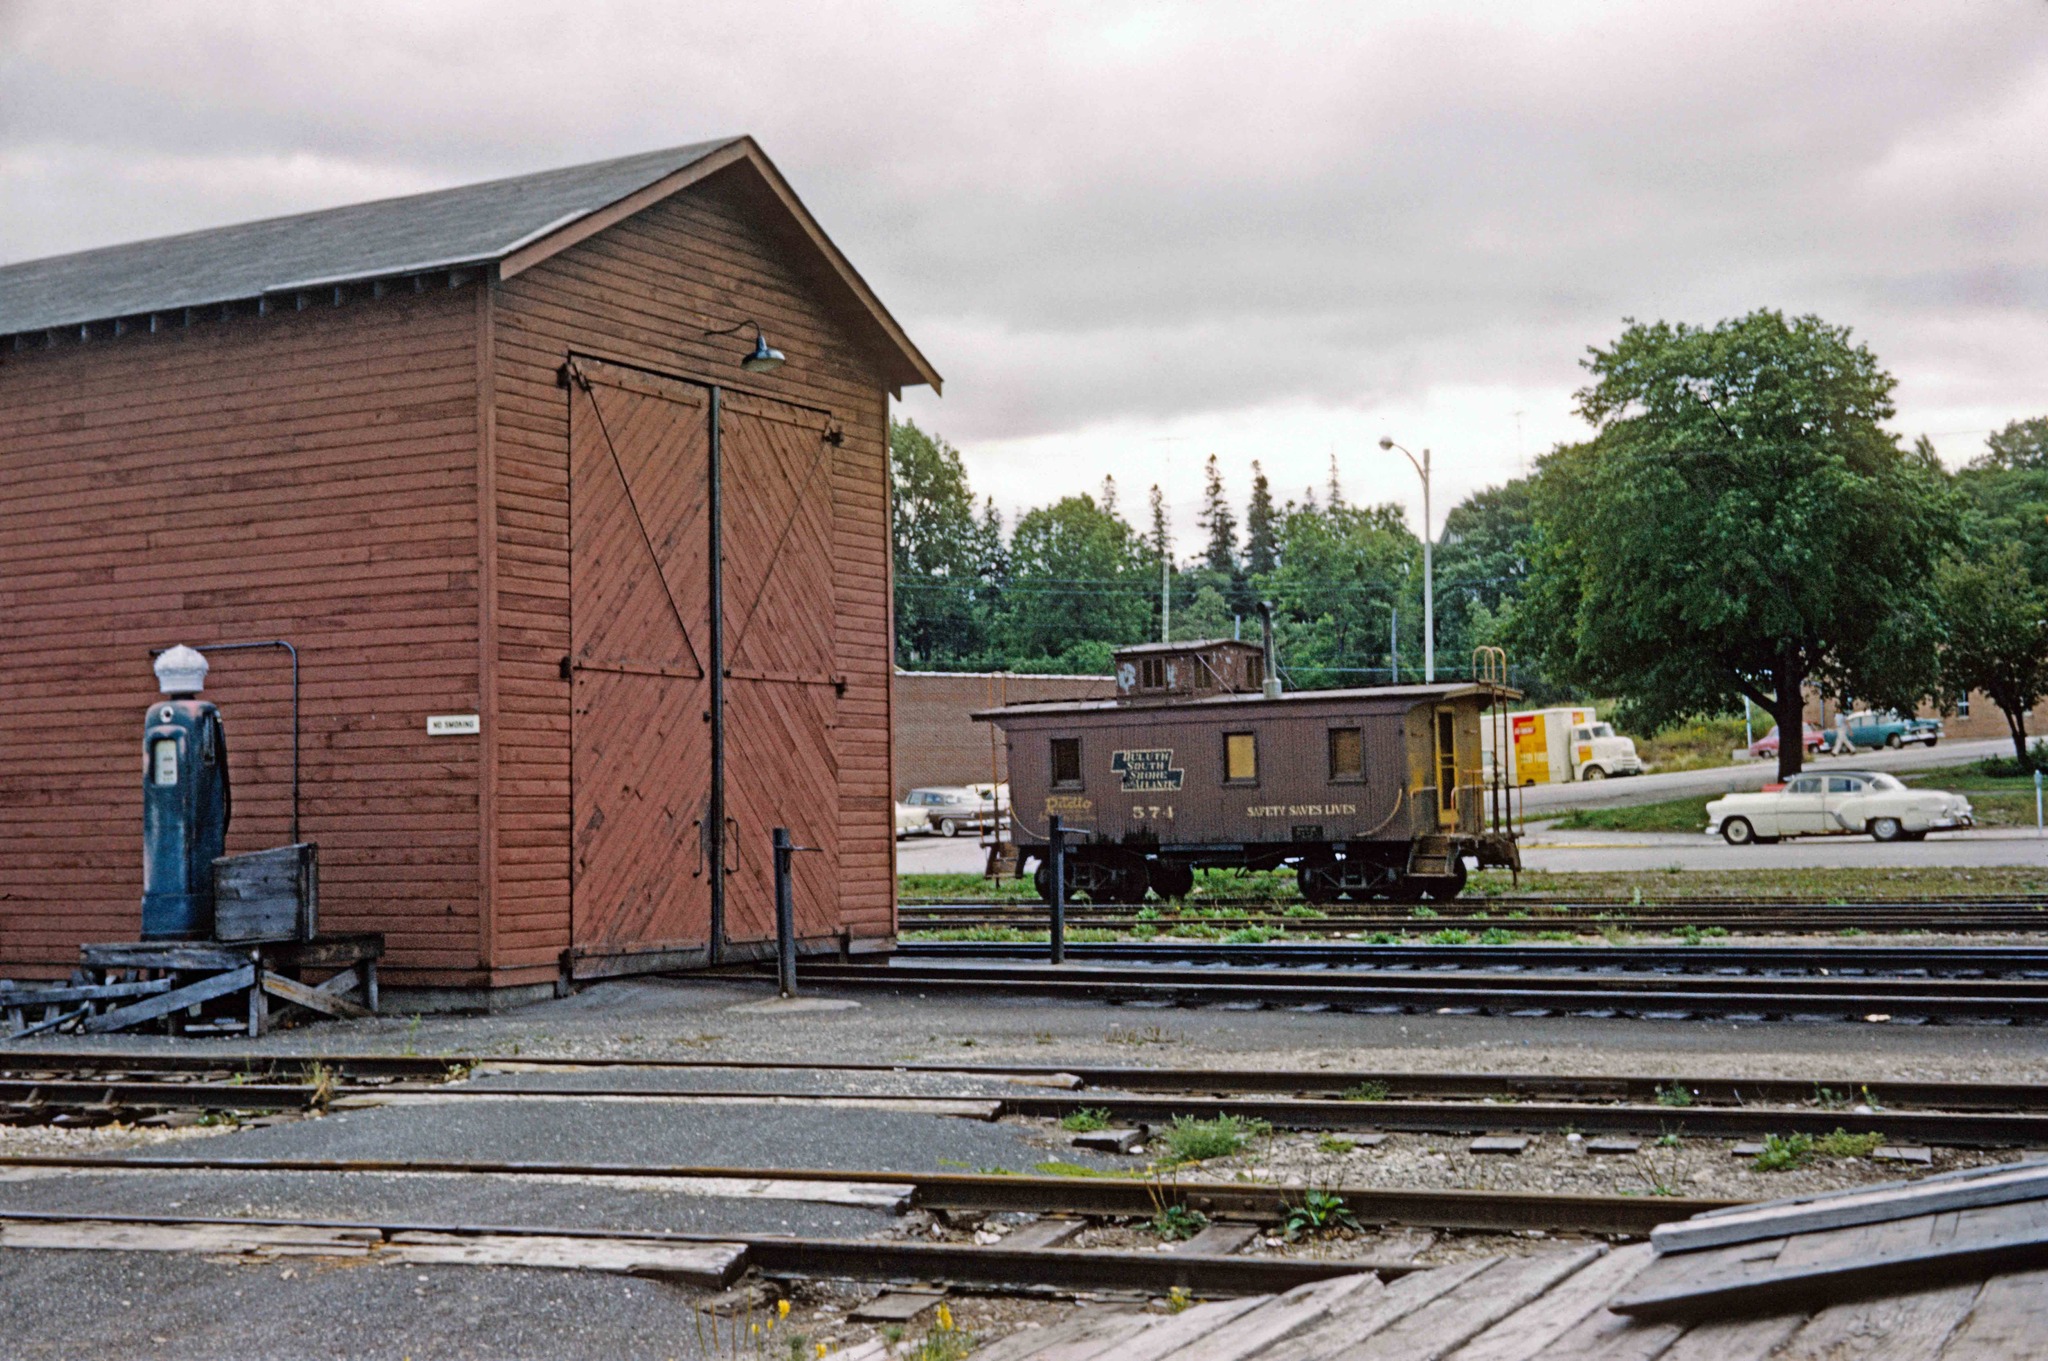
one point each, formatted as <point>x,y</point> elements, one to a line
<point>308,476</point>
<point>642,293</point>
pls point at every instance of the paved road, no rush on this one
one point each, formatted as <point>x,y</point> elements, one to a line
<point>1626,851</point>
<point>1679,784</point>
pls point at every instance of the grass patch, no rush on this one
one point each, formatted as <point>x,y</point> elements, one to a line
<point>1667,815</point>
<point>1842,1144</point>
<point>1253,935</point>
<point>1697,744</point>
<point>1372,1089</point>
<point>1317,1214</point>
<point>1085,1121</point>
<point>1693,935</point>
<point>1450,935</point>
<point>1335,1144</point>
<point>1188,1140</point>
<point>1060,1168</point>
<point>1174,1223</point>
<point>1674,1094</point>
<point>1784,1153</point>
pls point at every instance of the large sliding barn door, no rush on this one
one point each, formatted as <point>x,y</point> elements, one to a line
<point>781,770</point>
<point>639,611</point>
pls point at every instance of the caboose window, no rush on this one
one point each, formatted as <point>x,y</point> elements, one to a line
<point>1240,758</point>
<point>1347,754</point>
<point>1152,673</point>
<point>1066,762</point>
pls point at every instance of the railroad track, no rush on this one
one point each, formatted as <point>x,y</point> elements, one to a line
<point>1941,1114</point>
<point>1919,962</point>
<point>1475,990</point>
<point>1774,917</point>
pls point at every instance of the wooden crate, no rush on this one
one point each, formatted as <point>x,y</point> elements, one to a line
<point>267,895</point>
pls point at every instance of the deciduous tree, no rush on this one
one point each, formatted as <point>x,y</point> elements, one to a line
<point>1742,524</point>
<point>1995,635</point>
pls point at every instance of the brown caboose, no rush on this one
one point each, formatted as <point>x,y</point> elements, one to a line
<point>1200,762</point>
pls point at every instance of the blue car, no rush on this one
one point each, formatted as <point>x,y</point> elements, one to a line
<point>1886,729</point>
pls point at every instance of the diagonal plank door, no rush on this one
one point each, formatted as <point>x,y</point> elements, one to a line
<point>781,765</point>
<point>638,614</point>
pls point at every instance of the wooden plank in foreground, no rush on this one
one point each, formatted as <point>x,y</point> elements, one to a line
<point>711,1265</point>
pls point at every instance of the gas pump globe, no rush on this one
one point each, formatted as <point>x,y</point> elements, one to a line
<point>185,801</point>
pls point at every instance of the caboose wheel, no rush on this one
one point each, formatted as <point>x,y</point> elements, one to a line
<point>1318,883</point>
<point>1172,879</point>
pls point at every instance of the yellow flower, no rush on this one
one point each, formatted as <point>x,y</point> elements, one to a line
<point>945,1319</point>
<point>782,1308</point>
<point>822,1349</point>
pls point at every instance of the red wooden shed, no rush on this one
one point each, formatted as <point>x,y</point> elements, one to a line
<point>474,452</point>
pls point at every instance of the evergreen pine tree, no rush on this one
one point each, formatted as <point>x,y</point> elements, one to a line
<point>1220,523</point>
<point>1261,527</point>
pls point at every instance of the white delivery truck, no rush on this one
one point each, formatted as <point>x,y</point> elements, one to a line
<point>1555,745</point>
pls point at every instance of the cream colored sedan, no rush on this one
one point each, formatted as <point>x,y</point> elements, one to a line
<point>1838,803</point>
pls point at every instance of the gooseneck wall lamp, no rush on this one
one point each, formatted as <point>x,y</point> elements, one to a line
<point>763,357</point>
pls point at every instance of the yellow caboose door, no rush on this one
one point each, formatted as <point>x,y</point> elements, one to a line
<point>1446,764</point>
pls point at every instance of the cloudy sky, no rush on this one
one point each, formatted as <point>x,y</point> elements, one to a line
<point>1131,235</point>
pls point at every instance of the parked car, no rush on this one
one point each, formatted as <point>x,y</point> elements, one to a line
<point>1838,803</point>
<point>1887,729</point>
<point>911,820</point>
<point>1767,745</point>
<point>952,809</point>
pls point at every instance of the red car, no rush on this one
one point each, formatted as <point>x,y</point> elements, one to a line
<point>1767,745</point>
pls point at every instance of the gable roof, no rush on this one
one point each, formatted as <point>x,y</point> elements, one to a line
<point>512,224</point>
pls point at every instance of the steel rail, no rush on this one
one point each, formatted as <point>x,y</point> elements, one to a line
<point>1948,1129</point>
<point>1475,992</point>
<point>1122,1197</point>
<point>1778,924</point>
<point>996,1268</point>
<point>1570,902</point>
<point>1939,962</point>
<point>1639,1088</point>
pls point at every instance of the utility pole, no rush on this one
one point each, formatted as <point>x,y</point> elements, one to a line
<point>1428,567</point>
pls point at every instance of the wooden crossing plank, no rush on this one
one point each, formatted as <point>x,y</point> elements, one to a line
<point>1364,1314</point>
<point>1165,1338</point>
<point>1909,1327</point>
<point>1026,1343</point>
<point>2009,1317</point>
<point>1105,1337</point>
<point>1973,1243</point>
<point>1734,1339</point>
<point>1579,1298</point>
<point>1454,1319</point>
<point>1276,1319</point>
<point>710,1265</point>
<point>1843,1211</point>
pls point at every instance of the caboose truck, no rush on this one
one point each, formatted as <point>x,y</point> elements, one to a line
<point>1201,762</point>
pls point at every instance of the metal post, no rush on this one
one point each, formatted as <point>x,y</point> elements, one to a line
<point>1056,865</point>
<point>785,913</point>
<point>1428,585</point>
<point>2039,826</point>
<point>715,813</point>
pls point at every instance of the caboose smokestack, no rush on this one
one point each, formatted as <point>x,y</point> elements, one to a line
<point>1272,687</point>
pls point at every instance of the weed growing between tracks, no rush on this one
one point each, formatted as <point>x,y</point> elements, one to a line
<point>1787,1152</point>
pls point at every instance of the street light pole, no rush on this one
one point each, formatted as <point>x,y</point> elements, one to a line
<point>1428,567</point>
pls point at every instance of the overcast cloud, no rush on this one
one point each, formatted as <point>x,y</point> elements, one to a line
<point>1131,235</point>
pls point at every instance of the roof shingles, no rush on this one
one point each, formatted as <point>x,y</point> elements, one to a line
<point>470,225</point>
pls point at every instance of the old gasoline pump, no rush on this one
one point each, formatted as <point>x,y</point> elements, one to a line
<point>185,801</point>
